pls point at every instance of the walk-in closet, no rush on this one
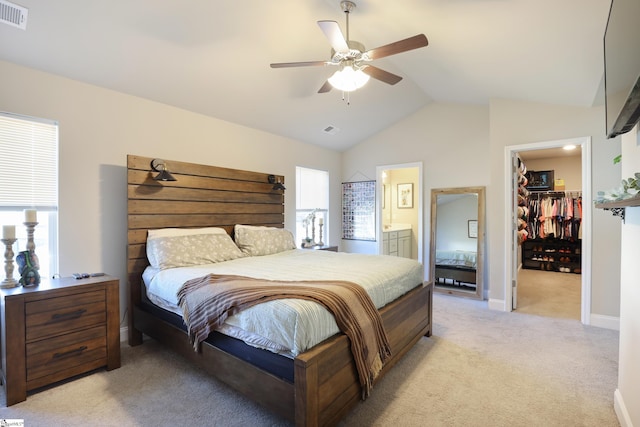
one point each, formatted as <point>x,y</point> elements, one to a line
<point>550,233</point>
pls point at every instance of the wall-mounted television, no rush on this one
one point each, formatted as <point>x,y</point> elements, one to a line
<point>622,67</point>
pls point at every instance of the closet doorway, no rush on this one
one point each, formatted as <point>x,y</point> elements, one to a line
<point>549,260</point>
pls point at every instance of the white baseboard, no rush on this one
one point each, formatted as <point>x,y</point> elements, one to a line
<point>607,322</point>
<point>496,304</point>
<point>124,334</point>
<point>621,410</point>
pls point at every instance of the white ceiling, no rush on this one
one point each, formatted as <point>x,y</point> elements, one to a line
<point>212,57</point>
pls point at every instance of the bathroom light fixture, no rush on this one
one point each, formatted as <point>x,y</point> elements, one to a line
<point>160,166</point>
<point>569,147</point>
<point>277,185</point>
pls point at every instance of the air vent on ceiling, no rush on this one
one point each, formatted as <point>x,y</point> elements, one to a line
<point>13,15</point>
<point>331,130</point>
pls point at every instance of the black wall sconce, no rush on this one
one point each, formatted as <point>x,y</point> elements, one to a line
<point>160,166</point>
<point>277,185</point>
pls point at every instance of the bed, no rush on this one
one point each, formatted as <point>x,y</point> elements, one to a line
<point>458,266</point>
<point>310,386</point>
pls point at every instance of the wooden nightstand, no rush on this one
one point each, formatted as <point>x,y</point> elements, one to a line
<point>58,329</point>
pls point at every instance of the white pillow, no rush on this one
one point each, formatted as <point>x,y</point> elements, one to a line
<point>191,249</point>
<point>257,241</point>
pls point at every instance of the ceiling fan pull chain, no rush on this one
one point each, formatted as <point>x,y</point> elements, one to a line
<point>348,97</point>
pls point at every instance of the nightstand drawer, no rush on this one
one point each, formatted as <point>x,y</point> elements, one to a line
<point>66,352</point>
<point>59,315</point>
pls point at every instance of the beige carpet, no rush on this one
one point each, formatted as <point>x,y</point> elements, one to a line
<point>481,368</point>
<point>549,293</point>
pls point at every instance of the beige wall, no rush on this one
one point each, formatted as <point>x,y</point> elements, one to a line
<point>99,127</point>
<point>567,168</point>
<point>514,123</point>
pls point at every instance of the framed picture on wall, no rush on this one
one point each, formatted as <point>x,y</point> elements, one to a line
<point>472,228</point>
<point>405,196</point>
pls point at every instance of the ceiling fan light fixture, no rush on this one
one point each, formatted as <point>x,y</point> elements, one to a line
<point>347,79</point>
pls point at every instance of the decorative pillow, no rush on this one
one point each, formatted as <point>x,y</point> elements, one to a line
<point>191,249</point>
<point>257,241</point>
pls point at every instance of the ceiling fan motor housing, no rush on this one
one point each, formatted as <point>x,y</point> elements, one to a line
<point>356,53</point>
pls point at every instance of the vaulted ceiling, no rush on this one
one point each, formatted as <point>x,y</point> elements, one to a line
<point>212,57</point>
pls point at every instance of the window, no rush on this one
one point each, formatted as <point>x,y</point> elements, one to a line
<point>29,180</point>
<point>312,205</point>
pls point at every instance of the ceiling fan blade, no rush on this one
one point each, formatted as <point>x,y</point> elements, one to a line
<point>411,43</point>
<point>382,75</point>
<point>331,30</point>
<point>298,64</point>
<point>326,87</point>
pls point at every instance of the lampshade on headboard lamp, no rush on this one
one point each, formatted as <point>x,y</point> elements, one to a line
<point>160,166</point>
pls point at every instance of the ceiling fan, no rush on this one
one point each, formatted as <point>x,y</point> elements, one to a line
<point>352,58</point>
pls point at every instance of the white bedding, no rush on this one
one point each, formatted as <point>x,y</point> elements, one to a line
<point>291,326</point>
<point>456,258</point>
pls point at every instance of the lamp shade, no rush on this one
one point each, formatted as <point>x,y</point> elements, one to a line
<point>347,79</point>
<point>164,175</point>
<point>160,167</point>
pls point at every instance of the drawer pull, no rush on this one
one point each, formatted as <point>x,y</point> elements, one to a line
<point>60,317</point>
<point>70,352</point>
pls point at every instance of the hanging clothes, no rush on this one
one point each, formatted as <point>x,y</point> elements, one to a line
<point>554,215</point>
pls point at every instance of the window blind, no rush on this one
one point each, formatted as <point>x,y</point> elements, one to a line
<point>312,189</point>
<point>28,162</point>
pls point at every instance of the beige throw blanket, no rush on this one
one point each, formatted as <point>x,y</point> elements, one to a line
<point>207,301</point>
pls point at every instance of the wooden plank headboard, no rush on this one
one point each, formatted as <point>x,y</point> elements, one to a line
<point>202,196</point>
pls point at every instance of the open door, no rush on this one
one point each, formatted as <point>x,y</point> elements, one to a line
<point>515,246</point>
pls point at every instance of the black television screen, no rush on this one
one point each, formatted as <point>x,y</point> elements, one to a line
<point>622,67</point>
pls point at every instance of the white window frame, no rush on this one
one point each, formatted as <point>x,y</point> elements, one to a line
<point>312,182</point>
<point>29,175</point>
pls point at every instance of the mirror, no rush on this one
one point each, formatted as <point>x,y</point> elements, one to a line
<point>457,240</point>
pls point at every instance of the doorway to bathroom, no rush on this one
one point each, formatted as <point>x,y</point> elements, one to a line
<point>400,210</point>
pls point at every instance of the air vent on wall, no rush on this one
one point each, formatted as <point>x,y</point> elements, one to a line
<point>14,15</point>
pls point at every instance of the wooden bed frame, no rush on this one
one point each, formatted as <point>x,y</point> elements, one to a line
<point>325,385</point>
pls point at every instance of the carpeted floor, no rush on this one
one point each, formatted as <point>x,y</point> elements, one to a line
<point>480,368</point>
<point>548,293</point>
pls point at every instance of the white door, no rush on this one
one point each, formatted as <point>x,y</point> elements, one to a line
<point>515,247</point>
